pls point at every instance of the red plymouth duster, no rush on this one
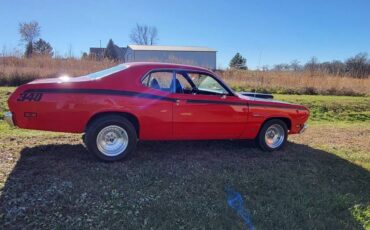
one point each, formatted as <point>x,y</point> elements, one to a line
<point>151,101</point>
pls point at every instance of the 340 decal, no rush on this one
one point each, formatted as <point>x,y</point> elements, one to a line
<point>30,97</point>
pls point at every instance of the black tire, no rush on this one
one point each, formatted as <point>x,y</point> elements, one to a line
<point>261,141</point>
<point>98,125</point>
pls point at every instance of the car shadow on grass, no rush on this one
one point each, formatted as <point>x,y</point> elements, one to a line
<point>168,185</point>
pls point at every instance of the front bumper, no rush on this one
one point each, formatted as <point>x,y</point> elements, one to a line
<point>304,127</point>
<point>8,117</point>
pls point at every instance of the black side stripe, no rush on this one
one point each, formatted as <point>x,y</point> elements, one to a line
<point>148,96</point>
<point>275,106</point>
<point>216,102</point>
<point>101,92</point>
<point>241,104</point>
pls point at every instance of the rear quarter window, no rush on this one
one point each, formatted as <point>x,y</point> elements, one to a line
<point>107,72</point>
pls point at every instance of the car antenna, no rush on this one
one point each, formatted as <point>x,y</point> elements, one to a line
<point>258,70</point>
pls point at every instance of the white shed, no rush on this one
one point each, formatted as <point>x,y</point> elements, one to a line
<point>190,55</point>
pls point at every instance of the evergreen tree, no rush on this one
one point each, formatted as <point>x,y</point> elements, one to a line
<point>84,56</point>
<point>238,62</point>
<point>29,50</point>
<point>42,47</point>
<point>110,52</point>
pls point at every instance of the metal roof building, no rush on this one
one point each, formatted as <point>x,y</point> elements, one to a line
<point>190,55</point>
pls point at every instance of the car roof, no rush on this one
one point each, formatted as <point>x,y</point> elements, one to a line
<point>165,65</point>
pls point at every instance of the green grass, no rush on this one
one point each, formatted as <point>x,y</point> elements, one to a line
<point>332,108</point>
<point>4,94</point>
<point>321,180</point>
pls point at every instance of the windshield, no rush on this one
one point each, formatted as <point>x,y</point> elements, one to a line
<point>107,72</point>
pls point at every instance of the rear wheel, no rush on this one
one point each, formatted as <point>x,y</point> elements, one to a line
<point>273,135</point>
<point>111,138</point>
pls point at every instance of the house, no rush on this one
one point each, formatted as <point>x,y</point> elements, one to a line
<point>190,55</point>
<point>98,53</point>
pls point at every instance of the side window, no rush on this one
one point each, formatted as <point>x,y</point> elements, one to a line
<point>206,84</point>
<point>160,80</point>
<point>182,85</point>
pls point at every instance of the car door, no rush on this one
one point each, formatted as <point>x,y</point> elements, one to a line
<point>155,107</point>
<point>205,109</point>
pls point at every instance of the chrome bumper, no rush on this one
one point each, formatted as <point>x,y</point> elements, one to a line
<point>304,127</point>
<point>8,117</point>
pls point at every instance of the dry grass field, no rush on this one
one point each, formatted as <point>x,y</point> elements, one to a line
<point>290,82</point>
<point>321,180</point>
<point>15,71</point>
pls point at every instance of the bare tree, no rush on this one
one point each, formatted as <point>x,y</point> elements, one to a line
<point>337,67</point>
<point>312,66</point>
<point>70,51</point>
<point>358,66</point>
<point>281,67</point>
<point>265,68</point>
<point>294,65</point>
<point>29,31</point>
<point>144,35</point>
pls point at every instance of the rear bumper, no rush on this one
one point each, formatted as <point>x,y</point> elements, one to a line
<point>304,127</point>
<point>8,117</point>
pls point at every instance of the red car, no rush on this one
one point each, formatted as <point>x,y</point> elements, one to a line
<point>151,101</point>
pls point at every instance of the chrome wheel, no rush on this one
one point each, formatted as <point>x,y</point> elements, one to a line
<point>112,140</point>
<point>274,136</point>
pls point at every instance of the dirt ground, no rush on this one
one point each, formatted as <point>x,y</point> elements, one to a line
<point>320,180</point>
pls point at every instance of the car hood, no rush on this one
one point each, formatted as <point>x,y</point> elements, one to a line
<point>270,102</point>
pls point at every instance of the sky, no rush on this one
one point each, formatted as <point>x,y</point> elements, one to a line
<point>264,32</point>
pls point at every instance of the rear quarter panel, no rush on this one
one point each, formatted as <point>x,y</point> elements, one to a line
<point>70,112</point>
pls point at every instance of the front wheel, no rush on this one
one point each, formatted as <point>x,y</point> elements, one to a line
<point>273,135</point>
<point>111,138</point>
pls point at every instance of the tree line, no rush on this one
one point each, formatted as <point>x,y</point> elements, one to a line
<point>357,66</point>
